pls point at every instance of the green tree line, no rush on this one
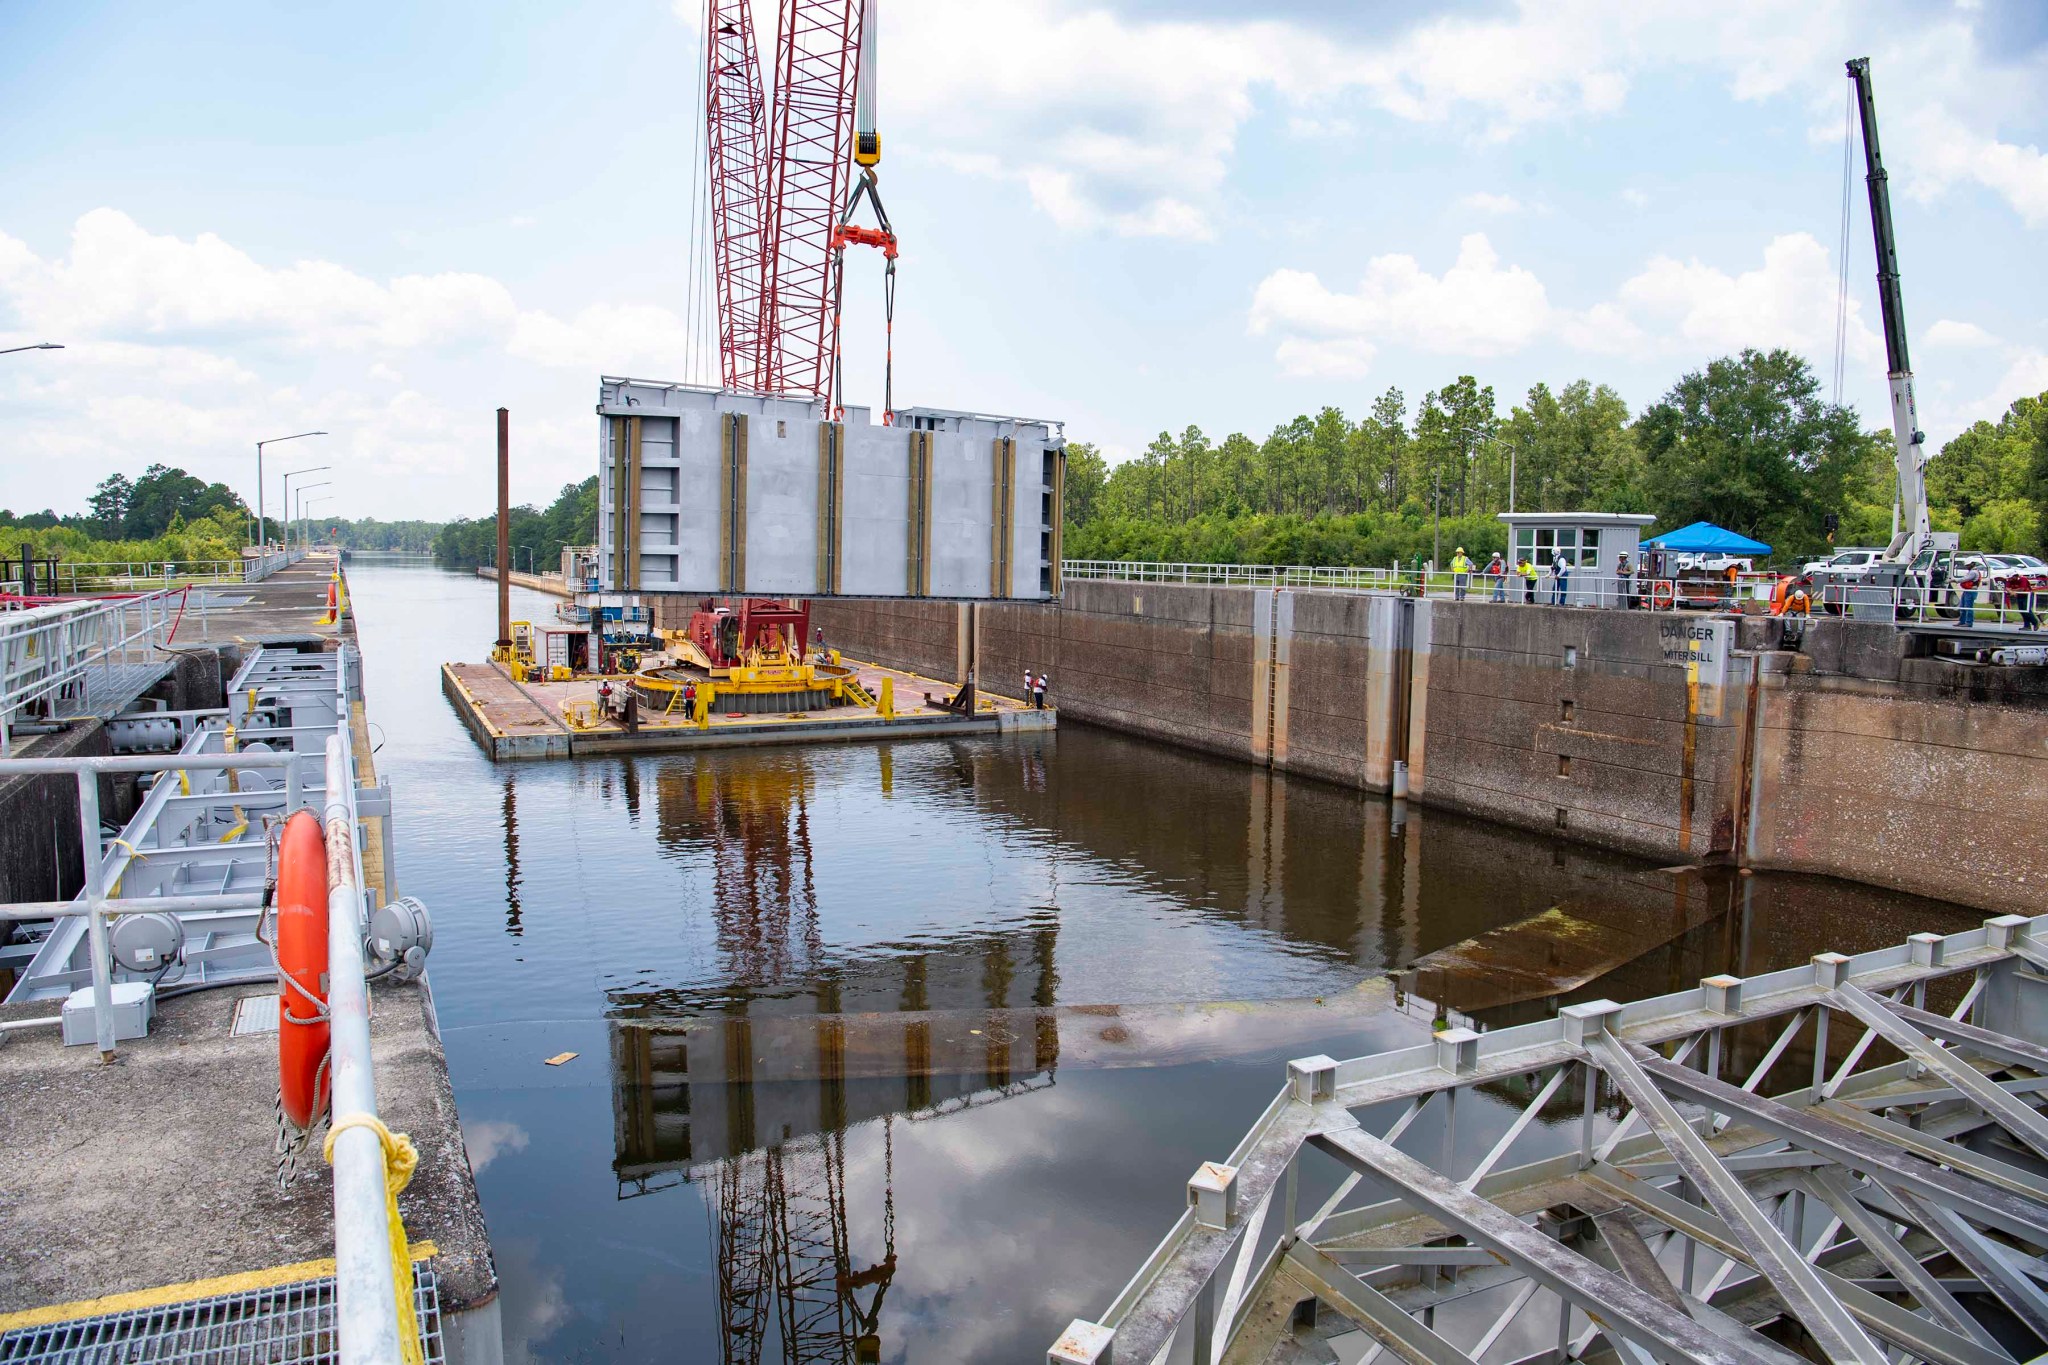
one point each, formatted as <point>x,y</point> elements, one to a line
<point>163,513</point>
<point>538,534</point>
<point>368,533</point>
<point>1748,442</point>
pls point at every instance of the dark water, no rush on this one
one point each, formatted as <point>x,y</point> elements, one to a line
<point>828,1086</point>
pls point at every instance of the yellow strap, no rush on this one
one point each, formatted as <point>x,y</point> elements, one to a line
<point>401,1159</point>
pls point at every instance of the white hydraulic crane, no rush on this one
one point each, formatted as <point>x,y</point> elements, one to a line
<point>1914,533</point>
<point>1910,574</point>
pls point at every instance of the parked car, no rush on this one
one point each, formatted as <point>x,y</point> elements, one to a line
<point>2002,567</point>
<point>1842,565</point>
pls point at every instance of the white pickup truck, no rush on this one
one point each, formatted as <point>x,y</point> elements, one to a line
<point>1843,565</point>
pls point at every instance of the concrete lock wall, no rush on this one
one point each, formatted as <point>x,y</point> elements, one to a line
<point>1919,773</point>
<point>1622,729</point>
<point>1673,737</point>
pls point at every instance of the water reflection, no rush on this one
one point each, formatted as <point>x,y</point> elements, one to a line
<point>758,1111</point>
<point>835,987</point>
<point>514,924</point>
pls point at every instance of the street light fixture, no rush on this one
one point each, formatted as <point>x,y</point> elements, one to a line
<point>529,557</point>
<point>298,512</point>
<point>309,469</point>
<point>39,346</point>
<point>261,529</point>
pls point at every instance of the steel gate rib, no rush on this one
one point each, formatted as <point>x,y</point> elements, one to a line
<point>1795,1206</point>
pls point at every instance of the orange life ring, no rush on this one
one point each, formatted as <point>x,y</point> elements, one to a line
<point>1660,593</point>
<point>302,957</point>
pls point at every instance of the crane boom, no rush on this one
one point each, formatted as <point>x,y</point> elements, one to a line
<point>1914,530</point>
<point>736,120</point>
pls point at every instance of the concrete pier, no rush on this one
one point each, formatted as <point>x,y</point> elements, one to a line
<point>153,1181</point>
<point>552,583</point>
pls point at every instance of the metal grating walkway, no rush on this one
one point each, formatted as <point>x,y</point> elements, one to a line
<point>290,1324</point>
<point>109,688</point>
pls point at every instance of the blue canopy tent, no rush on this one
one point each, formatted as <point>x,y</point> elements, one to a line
<point>1703,537</point>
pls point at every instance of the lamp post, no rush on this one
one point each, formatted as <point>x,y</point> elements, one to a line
<point>309,504</point>
<point>529,556</point>
<point>38,346</point>
<point>309,469</point>
<point>261,528</point>
<point>298,509</point>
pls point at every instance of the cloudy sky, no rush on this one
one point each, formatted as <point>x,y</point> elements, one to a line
<point>245,220</point>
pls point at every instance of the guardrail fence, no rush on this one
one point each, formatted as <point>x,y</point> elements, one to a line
<point>91,656</point>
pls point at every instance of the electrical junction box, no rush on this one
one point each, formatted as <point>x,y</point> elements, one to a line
<point>134,1007</point>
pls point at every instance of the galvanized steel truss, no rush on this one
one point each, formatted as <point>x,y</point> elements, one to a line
<point>196,845</point>
<point>1890,1202</point>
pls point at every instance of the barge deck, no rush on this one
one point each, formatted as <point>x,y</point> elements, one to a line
<point>527,720</point>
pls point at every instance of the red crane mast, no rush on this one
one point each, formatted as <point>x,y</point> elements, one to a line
<point>817,52</point>
<point>737,137</point>
<point>782,162</point>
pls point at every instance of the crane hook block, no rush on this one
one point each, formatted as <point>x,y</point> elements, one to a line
<point>867,149</point>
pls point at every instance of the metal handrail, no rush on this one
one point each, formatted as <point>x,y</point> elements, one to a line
<point>75,576</point>
<point>1606,590</point>
<point>49,650</point>
<point>256,568</point>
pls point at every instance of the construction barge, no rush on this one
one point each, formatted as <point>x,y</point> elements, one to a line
<point>157,1204</point>
<point>739,672</point>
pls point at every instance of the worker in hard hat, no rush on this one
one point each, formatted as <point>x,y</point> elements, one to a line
<point>1497,570</point>
<point>1526,570</point>
<point>1461,574</point>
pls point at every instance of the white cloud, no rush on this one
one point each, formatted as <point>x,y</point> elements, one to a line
<point>1501,204</point>
<point>608,338</point>
<point>1480,308</point>
<point>2025,377</point>
<point>186,350</point>
<point>1477,307</point>
<point>1127,124</point>
<point>1635,198</point>
<point>1305,126</point>
<point>1959,335</point>
<point>122,281</point>
<point>1787,301</point>
<point>485,1141</point>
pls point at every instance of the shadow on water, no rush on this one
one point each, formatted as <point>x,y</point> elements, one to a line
<point>904,1052</point>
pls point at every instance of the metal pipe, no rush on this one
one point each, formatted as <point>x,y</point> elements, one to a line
<point>365,1287</point>
<point>51,1021</point>
<point>505,528</point>
<point>144,763</point>
<point>95,894</point>
<point>136,905</point>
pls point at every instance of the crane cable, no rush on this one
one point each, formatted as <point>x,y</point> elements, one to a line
<point>848,234</point>
<point>1842,252</point>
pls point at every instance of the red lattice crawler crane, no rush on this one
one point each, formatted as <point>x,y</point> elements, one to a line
<point>783,194</point>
